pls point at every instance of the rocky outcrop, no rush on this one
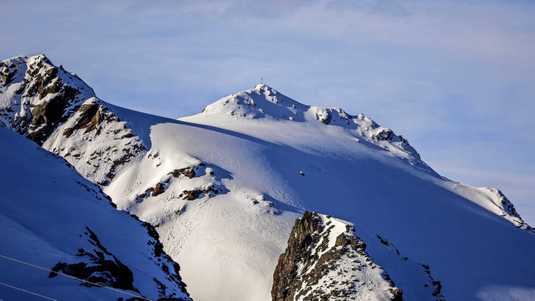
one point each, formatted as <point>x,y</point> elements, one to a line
<point>59,111</point>
<point>495,201</point>
<point>43,99</point>
<point>97,267</point>
<point>326,260</point>
<point>41,96</point>
<point>193,194</point>
<point>95,141</point>
<point>210,187</point>
<point>188,172</point>
<point>508,208</point>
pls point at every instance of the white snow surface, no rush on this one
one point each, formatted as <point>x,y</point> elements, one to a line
<point>45,208</point>
<point>299,164</point>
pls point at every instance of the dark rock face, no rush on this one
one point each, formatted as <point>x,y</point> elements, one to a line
<point>193,194</point>
<point>183,175</point>
<point>384,135</point>
<point>98,267</point>
<point>304,234</point>
<point>7,72</point>
<point>89,118</point>
<point>188,172</point>
<point>96,142</point>
<point>44,98</point>
<point>315,268</point>
<point>507,205</point>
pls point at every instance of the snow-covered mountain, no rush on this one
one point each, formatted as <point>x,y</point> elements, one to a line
<point>56,225</point>
<point>225,188</point>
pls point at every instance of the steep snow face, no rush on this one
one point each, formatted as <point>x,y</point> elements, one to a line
<point>226,236</point>
<point>64,227</point>
<point>35,95</point>
<point>325,259</point>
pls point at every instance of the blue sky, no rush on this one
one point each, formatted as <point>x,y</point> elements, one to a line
<point>456,78</point>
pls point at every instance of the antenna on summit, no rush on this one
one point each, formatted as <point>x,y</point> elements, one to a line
<point>262,80</point>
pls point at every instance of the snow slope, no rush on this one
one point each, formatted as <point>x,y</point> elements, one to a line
<point>54,219</point>
<point>224,187</point>
<point>380,185</point>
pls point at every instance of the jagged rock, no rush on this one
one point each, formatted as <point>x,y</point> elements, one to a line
<point>194,194</point>
<point>323,116</point>
<point>326,260</point>
<point>7,72</point>
<point>52,106</point>
<point>188,172</point>
<point>42,95</point>
<point>495,200</point>
<point>158,189</point>
<point>89,118</point>
<point>384,134</point>
<point>97,267</point>
<point>95,141</point>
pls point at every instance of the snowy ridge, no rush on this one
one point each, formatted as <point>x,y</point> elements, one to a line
<point>95,141</point>
<point>493,200</point>
<point>266,102</point>
<point>36,95</point>
<point>65,224</point>
<point>58,110</point>
<point>325,259</point>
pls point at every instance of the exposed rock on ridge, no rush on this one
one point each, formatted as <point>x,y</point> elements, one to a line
<point>95,141</point>
<point>326,260</point>
<point>59,111</point>
<point>37,96</point>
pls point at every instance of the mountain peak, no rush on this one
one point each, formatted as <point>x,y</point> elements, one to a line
<point>37,95</point>
<point>27,59</point>
<point>262,86</point>
<point>262,101</point>
<point>265,103</point>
